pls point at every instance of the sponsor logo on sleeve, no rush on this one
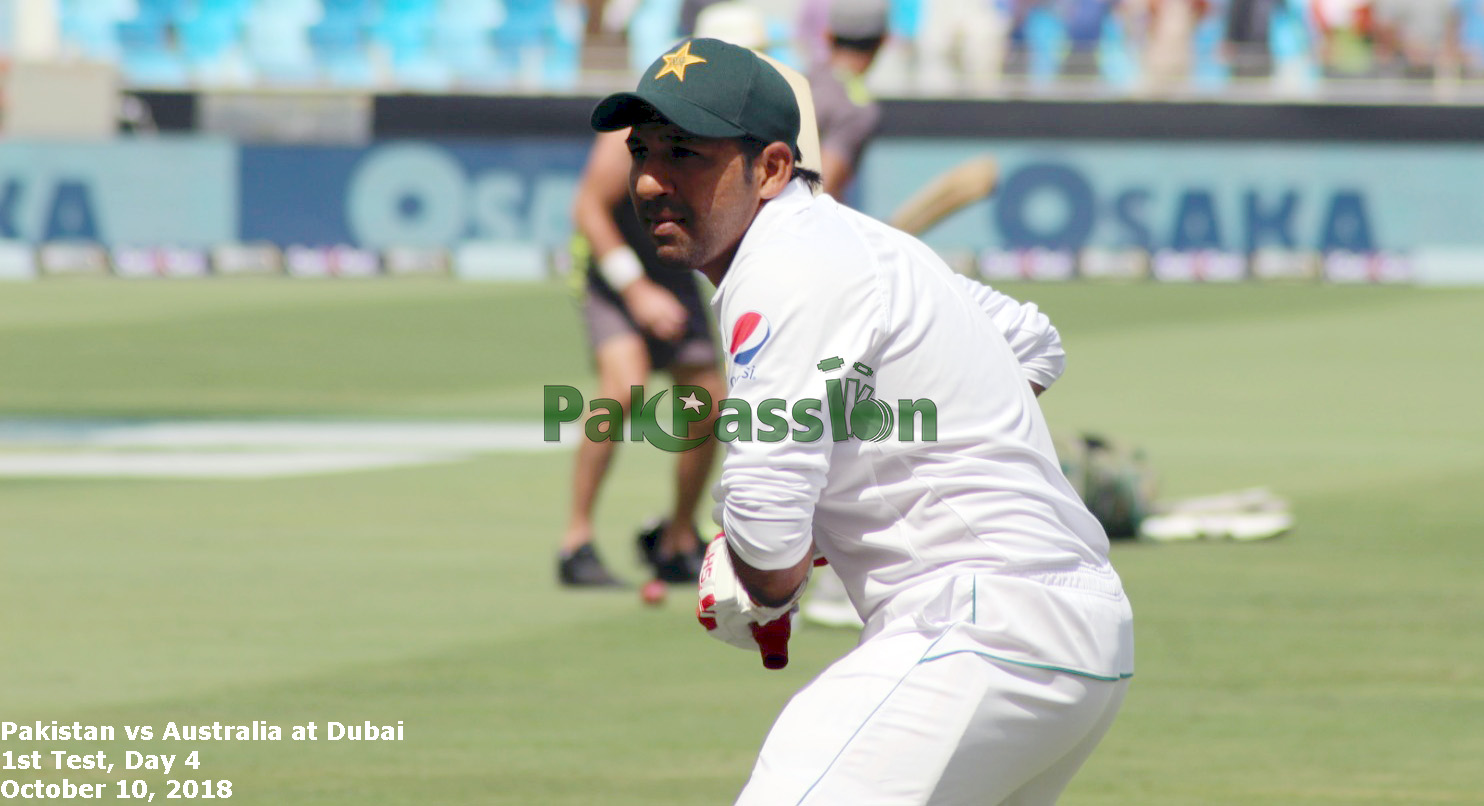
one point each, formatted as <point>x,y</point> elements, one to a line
<point>749,334</point>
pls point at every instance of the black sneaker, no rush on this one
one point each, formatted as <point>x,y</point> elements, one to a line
<point>680,567</point>
<point>583,569</point>
<point>648,541</point>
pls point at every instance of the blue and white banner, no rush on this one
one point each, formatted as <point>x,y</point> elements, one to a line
<point>157,192</point>
<point>1061,197</point>
<point>1210,197</point>
<point>411,193</point>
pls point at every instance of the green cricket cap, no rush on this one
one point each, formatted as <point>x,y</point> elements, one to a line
<point>709,88</point>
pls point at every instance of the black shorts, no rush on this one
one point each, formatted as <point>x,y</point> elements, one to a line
<point>607,317</point>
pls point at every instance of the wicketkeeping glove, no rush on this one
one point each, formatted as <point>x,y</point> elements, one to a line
<point>729,614</point>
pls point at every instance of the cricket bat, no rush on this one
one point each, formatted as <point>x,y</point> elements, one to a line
<point>809,152</point>
<point>949,192</point>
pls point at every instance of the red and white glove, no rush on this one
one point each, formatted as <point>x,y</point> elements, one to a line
<point>729,614</point>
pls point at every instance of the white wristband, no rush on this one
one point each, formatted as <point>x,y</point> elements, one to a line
<point>620,267</point>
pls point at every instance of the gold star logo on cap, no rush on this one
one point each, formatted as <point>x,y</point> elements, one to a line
<point>675,63</point>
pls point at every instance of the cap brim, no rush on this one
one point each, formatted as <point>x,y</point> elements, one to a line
<point>624,109</point>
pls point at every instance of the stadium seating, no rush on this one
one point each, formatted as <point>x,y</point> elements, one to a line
<point>404,31</point>
<point>90,27</point>
<point>276,40</point>
<point>340,41</point>
<point>210,38</point>
<point>526,45</point>
<point>653,28</point>
<point>463,38</point>
<point>1472,32</point>
<point>539,42</point>
<point>148,57</point>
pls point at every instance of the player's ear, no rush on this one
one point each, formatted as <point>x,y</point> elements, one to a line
<point>776,166</point>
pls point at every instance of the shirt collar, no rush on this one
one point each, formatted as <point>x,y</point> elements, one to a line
<point>796,196</point>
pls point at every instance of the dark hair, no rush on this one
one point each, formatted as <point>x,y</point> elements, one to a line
<point>864,44</point>
<point>752,148</point>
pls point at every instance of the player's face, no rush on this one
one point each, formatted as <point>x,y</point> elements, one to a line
<point>695,196</point>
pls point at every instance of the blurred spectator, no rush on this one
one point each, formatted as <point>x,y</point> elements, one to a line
<point>1291,38</point>
<point>1085,19</point>
<point>812,31</point>
<point>1210,68</point>
<point>1345,35</point>
<point>1247,29</point>
<point>1168,50</point>
<point>1071,36</point>
<point>1118,59</point>
<point>1471,34</point>
<point>7,48</point>
<point>1421,37</point>
<point>935,46</point>
<point>642,316</point>
<point>846,113</point>
<point>963,39</point>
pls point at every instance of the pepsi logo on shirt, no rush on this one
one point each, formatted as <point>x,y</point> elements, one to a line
<point>749,334</point>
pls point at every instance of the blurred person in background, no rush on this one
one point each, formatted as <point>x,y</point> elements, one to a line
<point>1247,26</point>
<point>1086,22</point>
<point>1056,38</point>
<point>1471,35</point>
<point>1169,29</point>
<point>1293,45</point>
<point>811,28</point>
<point>1418,37</point>
<point>847,115</point>
<point>641,317</point>
<point>964,40</point>
<point>1345,36</point>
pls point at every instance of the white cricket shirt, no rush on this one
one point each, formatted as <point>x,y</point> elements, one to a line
<point>979,518</point>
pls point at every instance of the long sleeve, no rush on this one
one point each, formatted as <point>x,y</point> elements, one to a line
<point>1034,340</point>
<point>787,308</point>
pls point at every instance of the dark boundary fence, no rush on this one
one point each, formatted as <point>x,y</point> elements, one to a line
<point>482,116</point>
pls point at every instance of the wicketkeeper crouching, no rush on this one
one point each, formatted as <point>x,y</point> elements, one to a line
<point>998,642</point>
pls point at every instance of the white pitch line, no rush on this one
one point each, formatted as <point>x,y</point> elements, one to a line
<point>495,437</point>
<point>247,448</point>
<point>204,465</point>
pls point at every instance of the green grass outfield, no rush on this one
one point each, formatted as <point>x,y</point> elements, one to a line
<point>1341,665</point>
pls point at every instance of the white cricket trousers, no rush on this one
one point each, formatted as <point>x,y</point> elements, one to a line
<point>890,724</point>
